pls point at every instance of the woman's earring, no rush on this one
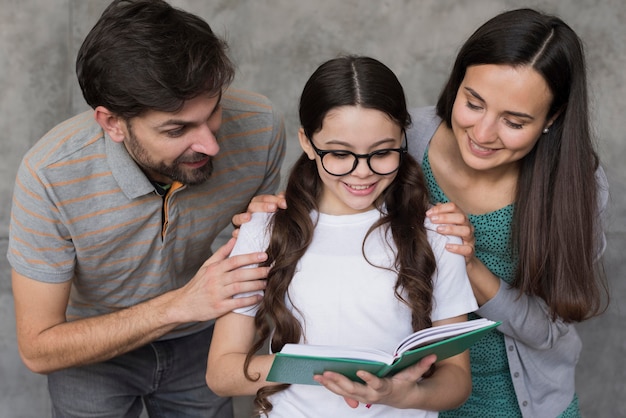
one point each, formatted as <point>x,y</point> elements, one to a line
<point>546,130</point>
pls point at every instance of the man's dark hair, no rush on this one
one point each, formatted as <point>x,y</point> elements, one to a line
<point>146,55</point>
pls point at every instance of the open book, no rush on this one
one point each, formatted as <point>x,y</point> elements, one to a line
<point>297,363</point>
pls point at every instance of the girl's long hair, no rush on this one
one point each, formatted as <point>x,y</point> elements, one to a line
<point>345,81</point>
<point>556,221</point>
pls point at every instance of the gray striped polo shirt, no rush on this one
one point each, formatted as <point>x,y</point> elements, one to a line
<point>84,211</point>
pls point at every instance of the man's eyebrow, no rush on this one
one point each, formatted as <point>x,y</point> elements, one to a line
<point>171,122</point>
<point>510,112</point>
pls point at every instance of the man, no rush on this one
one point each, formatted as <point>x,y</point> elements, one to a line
<point>115,211</point>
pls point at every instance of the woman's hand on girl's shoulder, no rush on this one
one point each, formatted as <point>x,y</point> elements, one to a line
<point>451,220</point>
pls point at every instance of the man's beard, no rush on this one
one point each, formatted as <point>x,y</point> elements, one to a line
<point>190,177</point>
<point>175,172</point>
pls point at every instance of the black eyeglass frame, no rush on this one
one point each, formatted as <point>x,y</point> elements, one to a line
<point>402,150</point>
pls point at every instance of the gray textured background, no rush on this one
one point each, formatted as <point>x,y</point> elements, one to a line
<point>276,45</point>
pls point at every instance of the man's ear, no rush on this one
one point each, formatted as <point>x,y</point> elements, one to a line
<point>305,144</point>
<point>111,123</point>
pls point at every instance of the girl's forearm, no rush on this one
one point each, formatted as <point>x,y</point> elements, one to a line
<point>225,374</point>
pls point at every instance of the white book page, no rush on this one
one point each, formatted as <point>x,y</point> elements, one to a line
<point>347,352</point>
<point>430,335</point>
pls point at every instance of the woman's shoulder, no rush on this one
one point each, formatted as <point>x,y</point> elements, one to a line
<point>424,124</point>
<point>424,115</point>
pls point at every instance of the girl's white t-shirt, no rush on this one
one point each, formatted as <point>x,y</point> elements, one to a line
<point>341,299</point>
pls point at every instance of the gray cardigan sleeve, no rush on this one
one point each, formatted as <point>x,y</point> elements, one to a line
<point>524,318</point>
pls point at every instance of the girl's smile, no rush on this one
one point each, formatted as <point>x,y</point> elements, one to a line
<point>360,131</point>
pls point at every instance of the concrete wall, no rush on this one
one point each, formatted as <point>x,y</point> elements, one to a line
<point>276,45</point>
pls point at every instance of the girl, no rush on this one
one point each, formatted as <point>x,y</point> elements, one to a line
<point>352,260</point>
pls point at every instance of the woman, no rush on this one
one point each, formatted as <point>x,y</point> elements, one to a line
<point>509,143</point>
<point>352,261</point>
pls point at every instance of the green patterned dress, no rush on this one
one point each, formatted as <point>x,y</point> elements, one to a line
<point>493,394</point>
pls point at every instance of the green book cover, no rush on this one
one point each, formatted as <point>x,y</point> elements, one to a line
<point>298,363</point>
